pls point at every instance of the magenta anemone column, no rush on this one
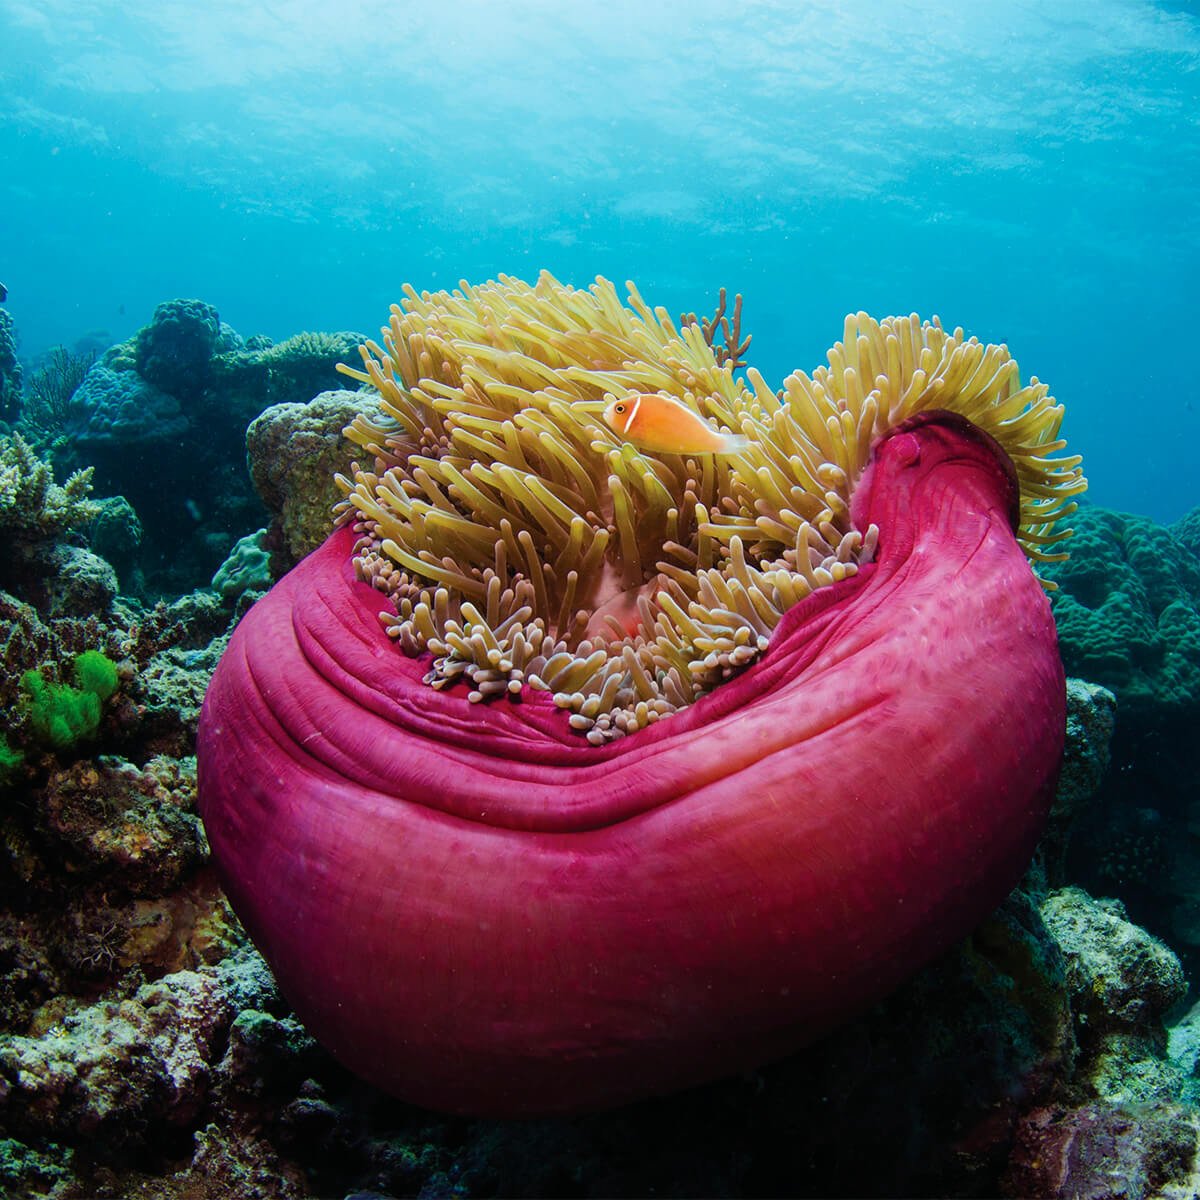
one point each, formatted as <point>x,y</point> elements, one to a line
<point>475,910</point>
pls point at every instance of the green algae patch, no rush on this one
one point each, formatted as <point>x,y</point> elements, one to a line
<point>10,761</point>
<point>61,715</point>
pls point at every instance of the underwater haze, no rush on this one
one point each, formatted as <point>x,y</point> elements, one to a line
<point>1024,170</point>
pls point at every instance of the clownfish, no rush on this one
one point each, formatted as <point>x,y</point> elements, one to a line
<point>656,422</point>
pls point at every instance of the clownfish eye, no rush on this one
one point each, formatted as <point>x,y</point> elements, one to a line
<point>620,408</point>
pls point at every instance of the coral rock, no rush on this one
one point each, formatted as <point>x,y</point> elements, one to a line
<point>174,350</point>
<point>295,451</point>
<point>1128,613</point>
<point>1118,974</point>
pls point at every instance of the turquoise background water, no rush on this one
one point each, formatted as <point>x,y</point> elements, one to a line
<point>1025,170</point>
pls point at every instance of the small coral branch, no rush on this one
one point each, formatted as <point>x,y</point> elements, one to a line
<point>732,352</point>
<point>32,505</point>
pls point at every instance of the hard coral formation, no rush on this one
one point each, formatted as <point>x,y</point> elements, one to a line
<point>1118,975</point>
<point>119,1074</point>
<point>173,352</point>
<point>1099,1150</point>
<point>1187,530</point>
<point>1091,711</point>
<point>116,534</point>
<point>32,506</point>
<point>162,420</point>
<point>1128,1118</point>
<point>304,365</point>
<point>1128,613</point>
<point>10,369</point>
<point>133,827</point>
<point>120,412</point>
<point>247,569</point>
<point>295,452</point>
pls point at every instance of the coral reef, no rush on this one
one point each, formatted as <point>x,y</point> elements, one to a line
<point>115,534</point>
<point>1118,976</point>
<point>33,508</point>
<point>41,523</point>
<point>173,352</point>
<point>1128,613</point>
<point>145,1049</point>
<point>247,569</point>
<point>1187,530</point>
<point>1130,1120</point>
<point>296,452</point>
<point>50,413</point>
<point>10,370</point>
<point>304,365</point>
<point>1091,713</point>
<point>117,411</point>
<point>178,396</point>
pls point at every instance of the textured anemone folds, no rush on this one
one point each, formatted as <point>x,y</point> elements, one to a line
<point>525,544</point>
<point>433,764</point>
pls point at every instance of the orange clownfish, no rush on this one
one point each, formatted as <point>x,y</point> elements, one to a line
<point>656,422</point>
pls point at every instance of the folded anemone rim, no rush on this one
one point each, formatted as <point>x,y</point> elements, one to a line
<point>527,547</point>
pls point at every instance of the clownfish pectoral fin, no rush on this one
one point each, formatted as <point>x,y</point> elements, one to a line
<point>733,443</point>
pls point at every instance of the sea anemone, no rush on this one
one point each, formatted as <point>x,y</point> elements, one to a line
<point>510,526</point>
<point>426,767</point>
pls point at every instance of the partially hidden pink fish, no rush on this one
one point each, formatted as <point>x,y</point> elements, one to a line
<point>652,421</point>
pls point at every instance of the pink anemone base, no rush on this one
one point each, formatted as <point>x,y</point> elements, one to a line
<point>477,911</point>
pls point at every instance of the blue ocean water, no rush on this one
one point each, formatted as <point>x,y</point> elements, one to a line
<point>1027,171</point>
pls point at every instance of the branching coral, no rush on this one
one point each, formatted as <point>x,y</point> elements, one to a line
<point>524,543</point>
<point>32,505</point>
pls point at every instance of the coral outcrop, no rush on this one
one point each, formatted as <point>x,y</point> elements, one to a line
<point>1128,613</point>
<point>10,370</point>
<point>33,507</point>
<point>247,569</point>
<point>296,452</point>
<point>146,1050</point>
<point>173,352</point>
<point>162,419</point>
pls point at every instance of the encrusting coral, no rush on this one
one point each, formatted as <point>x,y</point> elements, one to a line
<point>523,542</point>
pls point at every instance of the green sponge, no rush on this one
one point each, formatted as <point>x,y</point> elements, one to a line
<point>61,715</point>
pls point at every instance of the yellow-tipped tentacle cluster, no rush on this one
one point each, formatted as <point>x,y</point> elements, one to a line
<point>524,543</point>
